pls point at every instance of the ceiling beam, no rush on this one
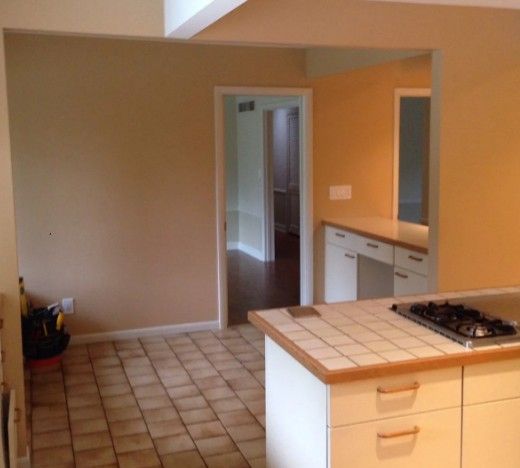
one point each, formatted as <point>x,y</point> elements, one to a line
<point>184,19</point>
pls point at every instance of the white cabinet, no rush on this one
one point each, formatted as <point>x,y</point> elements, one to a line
<point>341,274</point>
<point>343,282</point>
<point>491,415</point>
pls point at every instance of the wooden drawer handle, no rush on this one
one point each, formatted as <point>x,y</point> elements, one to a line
<point>337,234</point>
<point>393,435</point>
<point>350,255</point>
<point>404,388</point>
<point>416,259</point>
<point>401,275</point>
<point>374,246</point>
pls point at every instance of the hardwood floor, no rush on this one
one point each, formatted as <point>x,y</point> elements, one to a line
<point>254,285</point>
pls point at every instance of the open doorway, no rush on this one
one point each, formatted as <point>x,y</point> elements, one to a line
<point>265,248</point>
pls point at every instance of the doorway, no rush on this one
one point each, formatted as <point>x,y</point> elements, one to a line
<point>264,201</point>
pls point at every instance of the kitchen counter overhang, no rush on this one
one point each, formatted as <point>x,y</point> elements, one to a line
<point>315,342</point>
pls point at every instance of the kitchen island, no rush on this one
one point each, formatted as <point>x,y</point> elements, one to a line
<point>361,386</point>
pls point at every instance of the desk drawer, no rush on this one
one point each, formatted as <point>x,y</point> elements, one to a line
<point>397,395</point>
<point>341,238</point>
<point>375,249</point>
<point>426,440</point>
<point>411,260</point>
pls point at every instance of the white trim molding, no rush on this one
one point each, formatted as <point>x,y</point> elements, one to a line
<point>164,330</point>
<point>304,96</point>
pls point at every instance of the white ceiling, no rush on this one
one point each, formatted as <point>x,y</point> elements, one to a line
<point>509,4</point>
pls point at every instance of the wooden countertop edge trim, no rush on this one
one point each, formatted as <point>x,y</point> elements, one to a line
<point>388,240</point>
<point>380,370</point>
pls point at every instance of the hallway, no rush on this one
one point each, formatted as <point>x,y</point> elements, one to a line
<point>254,285</point>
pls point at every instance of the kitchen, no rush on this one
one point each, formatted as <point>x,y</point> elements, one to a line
<point>477,88</point>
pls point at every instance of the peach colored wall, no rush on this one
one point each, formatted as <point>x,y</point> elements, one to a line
<point>113,156</point>
<point>354,135</point>
<point>475,202</point>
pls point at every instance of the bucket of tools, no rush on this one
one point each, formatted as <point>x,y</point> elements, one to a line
<point>44,336</point>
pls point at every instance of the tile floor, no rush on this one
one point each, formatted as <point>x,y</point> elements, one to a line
<point>189,400</point>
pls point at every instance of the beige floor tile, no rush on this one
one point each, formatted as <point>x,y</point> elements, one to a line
<point>108,370</point>
<point>229,364</point>
<point>190,403</point>
<point>136,362</point>
<point>246,432</point>
<point>40,426</point>
<point>83,389</point>
<point>173,444</point>
<point>111,379</point>
<point>167,363</point>
<point>76,379</point>
<point>130,353</point>
<point>88,426</point>
<point>184,391</point>
<point>160,429</point>
<point>210,382</point>
<point>145,391</point>
<point>203,372</point>
<point>165,372</point>
<point>46,377</point>
<point>46,399</point>
<point>87,412</point>
<point>244,383</point>
<point>176,380</point>
<point>51,387</point>
<point>137,380</point>
<point>52,456</point>
<point>127,344</point>
<point>120,401</point>
<point>218,393</point>
<point>154,402</point>
<point>227,460</point>
<point>80,401</point>
<point>49,411</point>
<point>206,430</point>
<point>131,443</point>
<point>51,439</point>
<point>227,404</point>
<point>139,370</point>
<point>100,456</point>
<point>161,414</point>
<point>140,459</point>
<point>215,445</point>
<point>155,356</point>
<point>256,407</point>
<point>190,459</point>
<point>252,448</point>
<point>130,427</point>
<point>258,463</point>
<point>196,364</point>
<point>198,415</point>
<point>97,350</point>
<point>261,419</point>
<point>115,390</point>
<point>123,414</point>
<point>236,418</point>
<point>254,394</point>
<point>108,361</point>
<point>230,374</point>
<point>77,368</point>
<point>91,441</point>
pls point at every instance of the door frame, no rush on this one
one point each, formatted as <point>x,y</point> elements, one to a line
<point>306,195</point>
<point>398,94</point>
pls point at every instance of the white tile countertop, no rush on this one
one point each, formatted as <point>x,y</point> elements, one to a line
<point>358,339</point>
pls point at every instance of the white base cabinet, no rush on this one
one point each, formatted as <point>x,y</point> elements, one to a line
<point>341,274</point>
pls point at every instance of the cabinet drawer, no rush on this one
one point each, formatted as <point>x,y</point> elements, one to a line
<point>366,400</point>
<point>437,442</point>
<point>410,260</point>
<point>491,381</point>
<point>407,283</point>
<point>341,238</point>
<point>377,250</point>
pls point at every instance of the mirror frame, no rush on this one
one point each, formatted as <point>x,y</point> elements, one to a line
<point>398,94</point>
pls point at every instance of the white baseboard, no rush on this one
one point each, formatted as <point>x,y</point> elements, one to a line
<point>25,461</point>
<point>255,253</point>
<point>164,330</point>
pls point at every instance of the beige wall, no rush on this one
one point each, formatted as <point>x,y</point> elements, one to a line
<point>476,104</point>
<point>113,155</point>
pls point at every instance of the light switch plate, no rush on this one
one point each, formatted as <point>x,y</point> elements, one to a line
<point>340,192</point>
<point>67,304</point>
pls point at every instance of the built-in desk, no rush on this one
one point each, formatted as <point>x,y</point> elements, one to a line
<point>374,257</point>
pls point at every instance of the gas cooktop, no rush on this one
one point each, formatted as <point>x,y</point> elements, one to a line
<point>462,323</point>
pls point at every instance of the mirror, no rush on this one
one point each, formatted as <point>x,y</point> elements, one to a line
<point>411,155</point>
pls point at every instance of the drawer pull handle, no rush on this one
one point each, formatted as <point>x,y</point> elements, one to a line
<point>414,258</point>
<point>405,388</point>
<point>337,234</point>
<point>374,246</point>
<point>350,255</point>
<point>393,435</point>
<point>401,275</point>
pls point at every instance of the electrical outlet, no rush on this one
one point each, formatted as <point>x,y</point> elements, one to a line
<point>67,304</point>
<point>340,192</point>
